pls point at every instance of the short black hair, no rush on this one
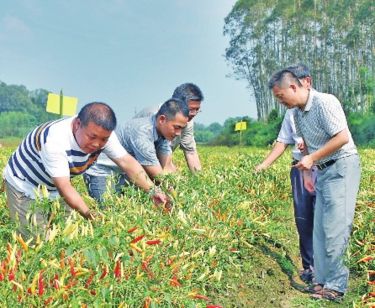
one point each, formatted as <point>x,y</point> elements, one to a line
<point>171,107</point>
<point>300,70</point>
<point>279,77</point>
<point>188,92</point>
<point>98,113</point>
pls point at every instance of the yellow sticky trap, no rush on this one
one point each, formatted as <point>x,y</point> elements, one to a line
<point>240,126</point>
<point>69,103</point>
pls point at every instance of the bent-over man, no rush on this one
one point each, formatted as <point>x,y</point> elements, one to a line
<point>56,151</point>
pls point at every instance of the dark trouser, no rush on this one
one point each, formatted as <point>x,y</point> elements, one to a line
<point>98,185</point>
<point>304,216</point>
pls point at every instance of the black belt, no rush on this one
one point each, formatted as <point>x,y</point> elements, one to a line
<point>295,162</point>
<point>326,164</point>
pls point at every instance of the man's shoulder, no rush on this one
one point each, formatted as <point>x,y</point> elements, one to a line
<point>139,127</point>
<point>147,111</point>
<point>138,124</point>
<point>324,98</point>
<point>59,132</point>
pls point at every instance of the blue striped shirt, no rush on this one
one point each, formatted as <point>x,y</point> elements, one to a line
<point>49,151</point>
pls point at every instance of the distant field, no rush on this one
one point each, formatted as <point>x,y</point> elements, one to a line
<point>230,241</point>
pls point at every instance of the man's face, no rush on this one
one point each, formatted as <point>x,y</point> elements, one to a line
<point>90,138</point>
<point>194,108</point>
<point>172,128</point>
<point>287,96</point>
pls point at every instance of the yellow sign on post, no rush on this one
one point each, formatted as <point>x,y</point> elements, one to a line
<point>62,105</point>
<point>240,126</point>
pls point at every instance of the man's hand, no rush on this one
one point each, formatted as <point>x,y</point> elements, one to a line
<point>160,198</point>
<point>260,167</point>
<point>305,163</point>
<point>90,215</point>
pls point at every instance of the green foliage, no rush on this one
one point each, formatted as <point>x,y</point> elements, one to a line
<point>205,134</point>
<point>258,133</point>
<point>15,123</point>
<point>362,128</point>
<point>21,110</point>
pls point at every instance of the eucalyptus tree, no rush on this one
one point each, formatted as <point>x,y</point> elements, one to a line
<point>334,38</point>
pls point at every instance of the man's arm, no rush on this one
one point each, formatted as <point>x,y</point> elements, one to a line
<point>71,196</point>
<point>135,172</point>
<point>192,160</point>
<point>276,152</point>
<point>167,163</point>
<point>334,144</point>
<point>139,177</point>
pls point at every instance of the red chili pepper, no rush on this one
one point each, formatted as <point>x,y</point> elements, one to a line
<point>40,284</point>
<point>1,276</point>
<point>117,270</point>
<point>214,306</point>
<point>199,296</point>
<point>132,229</point>
<point>72,282</point>
<point>89,280</point>
<point>147,303</point>
<point>72,270</point>
<point>174,282</point>
<point>11,275</point>
<point>153,242</point>
<point>93,292</point>
<point>105,272</point>
<point>55,282</point>
<point>137,239</point>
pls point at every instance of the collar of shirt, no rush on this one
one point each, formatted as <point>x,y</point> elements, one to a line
<point>309,100</point>
<point>156,136</point>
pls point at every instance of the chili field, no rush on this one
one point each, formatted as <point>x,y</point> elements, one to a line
<point>230,241</point>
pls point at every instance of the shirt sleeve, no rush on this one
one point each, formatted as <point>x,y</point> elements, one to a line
<point>113,148</point>
<point>187,142</point>
<point>287,130</point>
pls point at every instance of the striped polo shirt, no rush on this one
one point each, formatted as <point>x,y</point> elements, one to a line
<point>51,150</point>
<point>323,118</point>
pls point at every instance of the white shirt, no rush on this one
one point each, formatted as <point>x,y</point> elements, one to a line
<point>49,151</point>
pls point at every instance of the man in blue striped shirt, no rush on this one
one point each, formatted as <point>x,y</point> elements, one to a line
<point>55,152</point>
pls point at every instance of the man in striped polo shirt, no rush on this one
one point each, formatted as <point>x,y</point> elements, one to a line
<point>321,122</point>
<point>55,152</point>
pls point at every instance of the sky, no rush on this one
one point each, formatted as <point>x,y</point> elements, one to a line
<point>130,54</point>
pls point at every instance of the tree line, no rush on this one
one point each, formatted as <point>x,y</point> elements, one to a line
<point>335,38</point>
<point>21,110</point>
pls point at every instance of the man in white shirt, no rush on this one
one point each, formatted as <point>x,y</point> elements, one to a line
<point>56,151</point>
<point>303,200</point>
